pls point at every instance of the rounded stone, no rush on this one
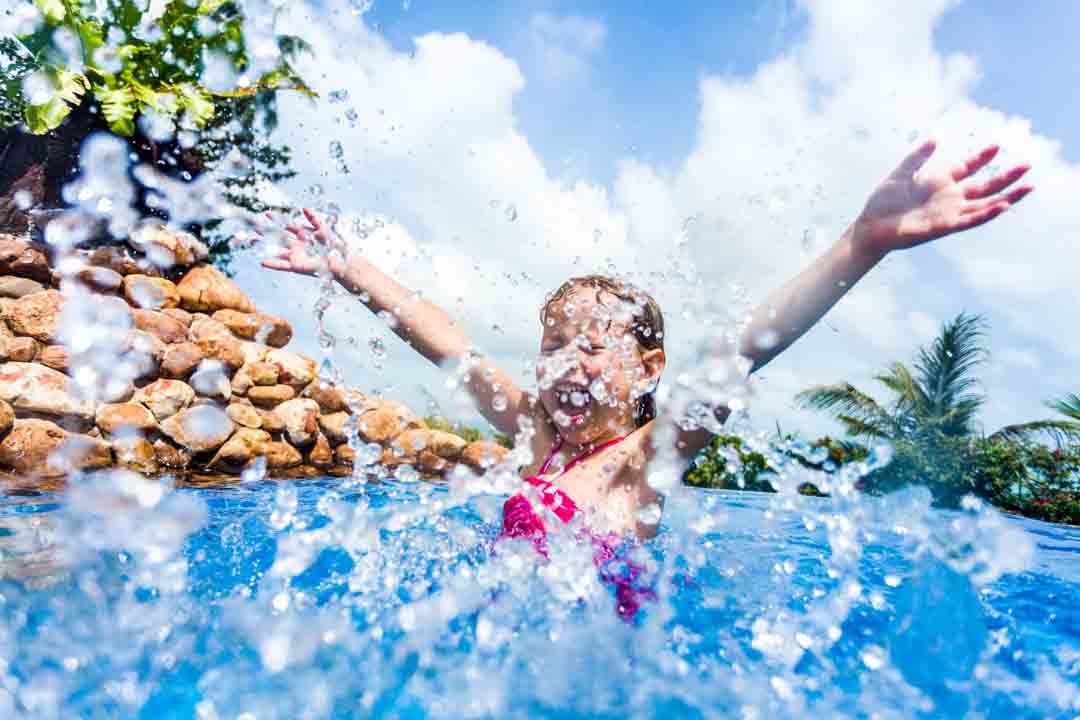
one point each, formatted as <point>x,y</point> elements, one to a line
<point>100,279</point>
<point>165,397</point>
<point>207,289</point>
<point>16,287</point>
<point>301,418</point>
<point>281,454</point>
<point>181,359</point>
<point>170,455</point>
<point>481,455</point>
<point>335,426</point>
<point>7,418</point>
<point>24,349</point>
<point>199,429</point>
<point>23,260</point>
<point>270,395</point>
<point>54,356</point>
<point>30,444</point>
<point>150,293</point>
<point>293,369</point>
<point>114,418</point>
<point>168,329</point>
<point>244,415</point>
<point>135,453</point>
<point>321,455</point>
<point>226,350</point>
<point>36,315</point>
<point>268,329</point>
<point>244,445</point>
<point>35,388</point>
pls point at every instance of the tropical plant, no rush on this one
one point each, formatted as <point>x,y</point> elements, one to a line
<point>932,420</point>
<point>1060,431</point>
<point>188,82</point>
<point>937,395</point>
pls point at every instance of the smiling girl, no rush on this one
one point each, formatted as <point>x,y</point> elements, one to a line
<point>602,345</point>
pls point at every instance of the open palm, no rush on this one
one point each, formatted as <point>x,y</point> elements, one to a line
<point>308,249</point>
<point>910,208</point>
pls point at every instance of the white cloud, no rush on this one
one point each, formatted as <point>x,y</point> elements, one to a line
<point>564,43</point>
<point>782,161</point>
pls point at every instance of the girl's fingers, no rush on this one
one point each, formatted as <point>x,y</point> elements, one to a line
<point>918,157</point>
<point>995,184</point>
<point>974,163</point>
<point>981,215</point>
<point>1015,196</point>
<point>313,218</point>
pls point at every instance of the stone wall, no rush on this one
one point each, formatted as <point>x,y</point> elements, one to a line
<point>217,387</point>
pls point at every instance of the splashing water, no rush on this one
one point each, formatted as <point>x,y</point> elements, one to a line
<point>386,597</point>
<point>139,599</point>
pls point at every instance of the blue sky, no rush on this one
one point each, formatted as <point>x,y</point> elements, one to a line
<point>762,120</point>
<point>640,94</point>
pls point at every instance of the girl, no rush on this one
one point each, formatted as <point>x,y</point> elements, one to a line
<point>602,348</point>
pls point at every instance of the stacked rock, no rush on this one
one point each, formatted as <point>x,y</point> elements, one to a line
<point>217,388</point>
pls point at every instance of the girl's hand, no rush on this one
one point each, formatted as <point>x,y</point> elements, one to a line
<point>309,249</point>
<point>910,208</point>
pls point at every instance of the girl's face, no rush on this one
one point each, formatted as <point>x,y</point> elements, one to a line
<point>591,369</point>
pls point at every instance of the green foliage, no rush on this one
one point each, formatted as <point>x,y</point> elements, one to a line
<point>190,65</point>
<point>131,63</point>
<point>728,463</point>
<point>465,432</point>
<point>931,425</point>
<point>936,396</point>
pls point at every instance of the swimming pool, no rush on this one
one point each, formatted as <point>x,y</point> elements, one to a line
<point>126,597</point>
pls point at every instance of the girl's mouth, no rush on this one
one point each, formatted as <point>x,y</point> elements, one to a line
<point>574,400</point>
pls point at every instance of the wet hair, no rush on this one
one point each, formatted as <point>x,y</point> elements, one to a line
<point>648,325</point>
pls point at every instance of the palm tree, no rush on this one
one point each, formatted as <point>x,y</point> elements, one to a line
<point>1061,432</point>
<point>937,397</point>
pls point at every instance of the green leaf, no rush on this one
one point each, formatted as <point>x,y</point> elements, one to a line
<point>118,105</point>
<point>53,10</point>
<point>43,118</point>
<point>68,91</point>
<point>208,6</point>
<point>197,103</point>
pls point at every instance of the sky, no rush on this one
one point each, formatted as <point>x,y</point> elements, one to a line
<point>706,150</point>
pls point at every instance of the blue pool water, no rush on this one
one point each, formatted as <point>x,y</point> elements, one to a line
<point>313,599</point>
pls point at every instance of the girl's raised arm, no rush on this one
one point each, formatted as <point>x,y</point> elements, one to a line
<point>907,209</point>
<point>424,326</point>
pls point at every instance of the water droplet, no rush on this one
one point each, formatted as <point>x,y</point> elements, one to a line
<point>511,212</point>
<point>498,402</point>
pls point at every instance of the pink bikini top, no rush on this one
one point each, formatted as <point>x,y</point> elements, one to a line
<point>520,520</point>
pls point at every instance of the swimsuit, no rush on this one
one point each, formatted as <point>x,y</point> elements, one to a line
<point>520,520</point>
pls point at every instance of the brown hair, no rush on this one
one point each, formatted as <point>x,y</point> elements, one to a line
<point>648,327</point>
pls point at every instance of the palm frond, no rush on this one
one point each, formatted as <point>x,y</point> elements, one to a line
<point>865,428</point>
<point>911,397</point>
<point>1069,406</point>
<point>1060,432</point>
<point>849,405</point>
<point>946,370</point>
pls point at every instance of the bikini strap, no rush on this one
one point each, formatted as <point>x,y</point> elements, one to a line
<point>551,456</point>
<point>583,456</point>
